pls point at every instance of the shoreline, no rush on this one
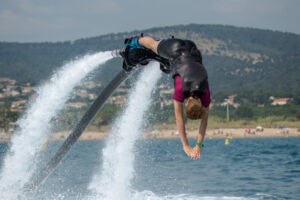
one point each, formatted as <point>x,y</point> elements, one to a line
<point>191,133</point>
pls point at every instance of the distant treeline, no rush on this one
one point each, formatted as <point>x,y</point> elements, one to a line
<point>229,55</point>
<point>278,52</point>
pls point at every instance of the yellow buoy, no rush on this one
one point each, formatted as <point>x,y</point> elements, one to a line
<point>44,146</point>
<point>226,141</point>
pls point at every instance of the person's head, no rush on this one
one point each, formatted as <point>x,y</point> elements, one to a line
<point>194,108</point>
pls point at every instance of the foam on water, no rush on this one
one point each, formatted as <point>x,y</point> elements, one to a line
<point>21,160</point>
<point>113,180</point>
<point>151,196</point>
<point>148,195</point>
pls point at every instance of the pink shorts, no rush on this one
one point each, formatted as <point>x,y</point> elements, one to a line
<point>179,95</point>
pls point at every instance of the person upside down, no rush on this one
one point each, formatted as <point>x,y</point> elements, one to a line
<point>191,83</point>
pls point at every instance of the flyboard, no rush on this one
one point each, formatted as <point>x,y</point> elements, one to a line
<point>133,57</point>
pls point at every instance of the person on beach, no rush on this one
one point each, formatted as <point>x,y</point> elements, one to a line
<point>191,84</point>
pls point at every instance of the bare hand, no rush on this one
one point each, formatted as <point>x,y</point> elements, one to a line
<point>193,153</point>
<point>188,150</point>
<point>196,152</point>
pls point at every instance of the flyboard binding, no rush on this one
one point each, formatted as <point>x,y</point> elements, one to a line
<point>135,55</point>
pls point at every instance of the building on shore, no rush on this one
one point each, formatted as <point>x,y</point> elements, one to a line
<point>280,101</point>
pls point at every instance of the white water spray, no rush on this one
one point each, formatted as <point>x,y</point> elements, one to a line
<point>34,126</point>
<point>113,181</point>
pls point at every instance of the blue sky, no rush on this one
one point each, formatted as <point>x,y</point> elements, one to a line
<point>56,20</point>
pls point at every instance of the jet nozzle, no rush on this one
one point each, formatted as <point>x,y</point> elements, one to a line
<point>116,53</point>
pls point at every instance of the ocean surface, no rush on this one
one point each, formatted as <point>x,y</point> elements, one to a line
<point>263,168</point>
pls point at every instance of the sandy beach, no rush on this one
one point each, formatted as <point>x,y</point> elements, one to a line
<point>191,133</point>
<point>213,133</point>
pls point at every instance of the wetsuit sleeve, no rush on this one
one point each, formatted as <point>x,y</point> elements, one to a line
<point>178,93</point>
<point>205,97</point>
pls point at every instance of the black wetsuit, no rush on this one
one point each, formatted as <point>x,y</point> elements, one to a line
<point>186,61</point>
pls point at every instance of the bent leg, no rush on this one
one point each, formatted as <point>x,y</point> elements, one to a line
<point>149,43</point>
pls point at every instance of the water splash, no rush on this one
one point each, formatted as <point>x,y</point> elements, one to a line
<point>20,161</point>
<point>151,196</point>
<point>113,181</point>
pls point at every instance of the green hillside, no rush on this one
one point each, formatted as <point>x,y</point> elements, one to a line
<point>236,58</point>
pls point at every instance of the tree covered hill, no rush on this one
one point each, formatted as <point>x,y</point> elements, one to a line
<point>236,58</point>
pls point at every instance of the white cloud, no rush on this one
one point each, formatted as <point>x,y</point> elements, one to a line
<point>53,20</point>
<point>13,22</point>
<point>30,7</point>
<point>228,6</point>
<point>103,6</point>
<point>31,28</point>
<point>248,7</point>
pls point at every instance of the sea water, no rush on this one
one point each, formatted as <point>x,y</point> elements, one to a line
<point>264,168</point>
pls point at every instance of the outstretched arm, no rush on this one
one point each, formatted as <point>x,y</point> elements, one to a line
<point>201,135</point>
<point>203,126</point>
<point>178,109</point>
<point>149,43</point>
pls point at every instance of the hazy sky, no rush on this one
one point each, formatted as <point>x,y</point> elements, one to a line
<point>58,20</point>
